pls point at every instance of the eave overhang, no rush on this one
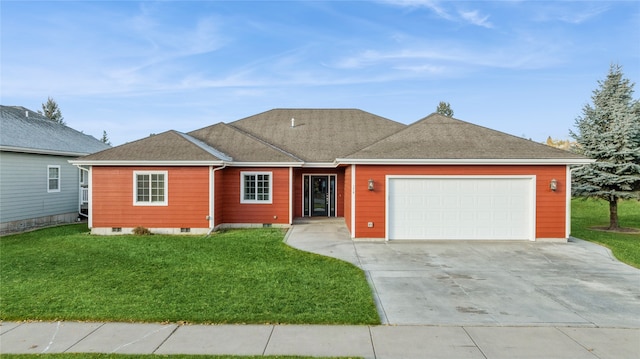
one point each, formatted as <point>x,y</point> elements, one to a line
<point>42,151</point>
<point>465,161</point>
<point>146,163</point>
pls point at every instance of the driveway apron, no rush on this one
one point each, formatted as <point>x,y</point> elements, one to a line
<point>511,283</point>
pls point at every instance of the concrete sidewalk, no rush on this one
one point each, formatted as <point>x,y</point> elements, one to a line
<point>317,340</point>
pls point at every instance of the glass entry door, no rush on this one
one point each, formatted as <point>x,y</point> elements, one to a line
<point>319,195</point>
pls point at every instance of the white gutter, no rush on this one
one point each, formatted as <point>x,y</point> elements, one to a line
<point>145,163</point>
<point>264,164</point>
<point>42,152</point>
<point>320,164</point>
<point>465,161</point>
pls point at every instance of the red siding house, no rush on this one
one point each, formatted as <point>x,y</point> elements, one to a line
<point>439,178</point>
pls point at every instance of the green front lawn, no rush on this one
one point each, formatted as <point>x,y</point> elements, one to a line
<point>586,214</point>
<point>238,276</point>
<point>151,356</point>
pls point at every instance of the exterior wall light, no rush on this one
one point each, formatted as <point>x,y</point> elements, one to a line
<point>370,184</point>
<point>553,185</point>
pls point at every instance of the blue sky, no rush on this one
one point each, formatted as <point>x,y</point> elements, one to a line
<point>134,68</point>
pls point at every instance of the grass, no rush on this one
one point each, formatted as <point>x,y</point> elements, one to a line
<point>238,276</point>
<point>149,356</point>
<point>589,213</point>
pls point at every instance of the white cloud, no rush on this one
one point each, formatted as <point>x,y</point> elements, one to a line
<point>571,13</point>
<point>475,18</point>
<point>472,17</point>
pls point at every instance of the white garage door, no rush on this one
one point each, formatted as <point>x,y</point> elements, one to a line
<point>460,208</point>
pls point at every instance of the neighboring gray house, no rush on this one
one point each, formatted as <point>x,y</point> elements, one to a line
<point>38,186</point>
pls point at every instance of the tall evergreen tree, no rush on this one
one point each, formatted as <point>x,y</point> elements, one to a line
<point>51,111</point>
<point>444,108</point>
<point>609,132</point>
<point>105,138</point>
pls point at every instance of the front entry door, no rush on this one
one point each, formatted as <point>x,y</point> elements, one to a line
<point>319,196</point>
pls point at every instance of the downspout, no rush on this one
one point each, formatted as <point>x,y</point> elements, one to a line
<point>213,199</point>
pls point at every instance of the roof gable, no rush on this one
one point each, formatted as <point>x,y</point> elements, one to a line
<point>165,147</point>
<point>241,146</point>
<point>318,135</point>
<point>440,137</point>
<point>24,130</point>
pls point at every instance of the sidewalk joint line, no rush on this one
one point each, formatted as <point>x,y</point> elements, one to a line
<point>474,342</point>
<point>373,345</point>
<point>165,339</point>
<point>273,327</point>
<point>85,337</point>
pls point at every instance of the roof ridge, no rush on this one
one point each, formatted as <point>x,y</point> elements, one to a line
<point>264,142</point>
<point>205,147</point>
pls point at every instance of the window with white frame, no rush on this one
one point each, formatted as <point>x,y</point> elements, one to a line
<point>53,178</point>
<point>83,176</point>
<point>255,187</point>
<point>150,188</point>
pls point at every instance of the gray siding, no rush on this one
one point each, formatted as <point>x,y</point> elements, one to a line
<point>23,186</point>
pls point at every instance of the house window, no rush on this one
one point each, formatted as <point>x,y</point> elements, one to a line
<point>83,177</point>
<point>255,187</point>
<point>53,178</point>
<point>150,188</point>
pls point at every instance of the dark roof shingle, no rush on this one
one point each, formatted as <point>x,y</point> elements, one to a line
<point>241,146</point>
<point>440,137</point>
<point>24,130</point>
<point>163,147</point>
<point>318,135</point>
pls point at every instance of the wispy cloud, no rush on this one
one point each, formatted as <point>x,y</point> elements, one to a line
<point>571,13</point>
<point>525,52</point>
<point>472,17</point>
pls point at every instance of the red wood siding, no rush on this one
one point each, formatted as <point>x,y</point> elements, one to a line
<point>298,187</point>
<point>347,197</point>
<point>218,204</point>
<point>550,206</point>
<point>228,190</point>
<point>188,197</point>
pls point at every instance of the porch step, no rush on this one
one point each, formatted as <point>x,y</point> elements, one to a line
<point>309,220</point>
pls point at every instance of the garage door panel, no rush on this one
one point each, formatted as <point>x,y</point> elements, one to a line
<point>460,208</point>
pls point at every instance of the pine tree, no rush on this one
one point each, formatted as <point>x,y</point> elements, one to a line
<point>105,138</point>
<point>609,132</point>
<point>51,111</point>
<point>444,108</point>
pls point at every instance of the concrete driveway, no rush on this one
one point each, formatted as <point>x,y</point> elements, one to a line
<point>485,283</point>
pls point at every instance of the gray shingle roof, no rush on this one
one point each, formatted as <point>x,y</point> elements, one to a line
<point>324,135</point>
<point>164,147</point>
<point>36,133</point>
<point>319,135</point>
<point>440,137</point>
<point>241,146</point>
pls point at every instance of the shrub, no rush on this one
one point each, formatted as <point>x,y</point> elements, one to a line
<point>141,231</point>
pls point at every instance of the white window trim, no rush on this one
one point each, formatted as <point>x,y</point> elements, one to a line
<point>49,190</point>
<point>256,201</point>
<point>135,188</point>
